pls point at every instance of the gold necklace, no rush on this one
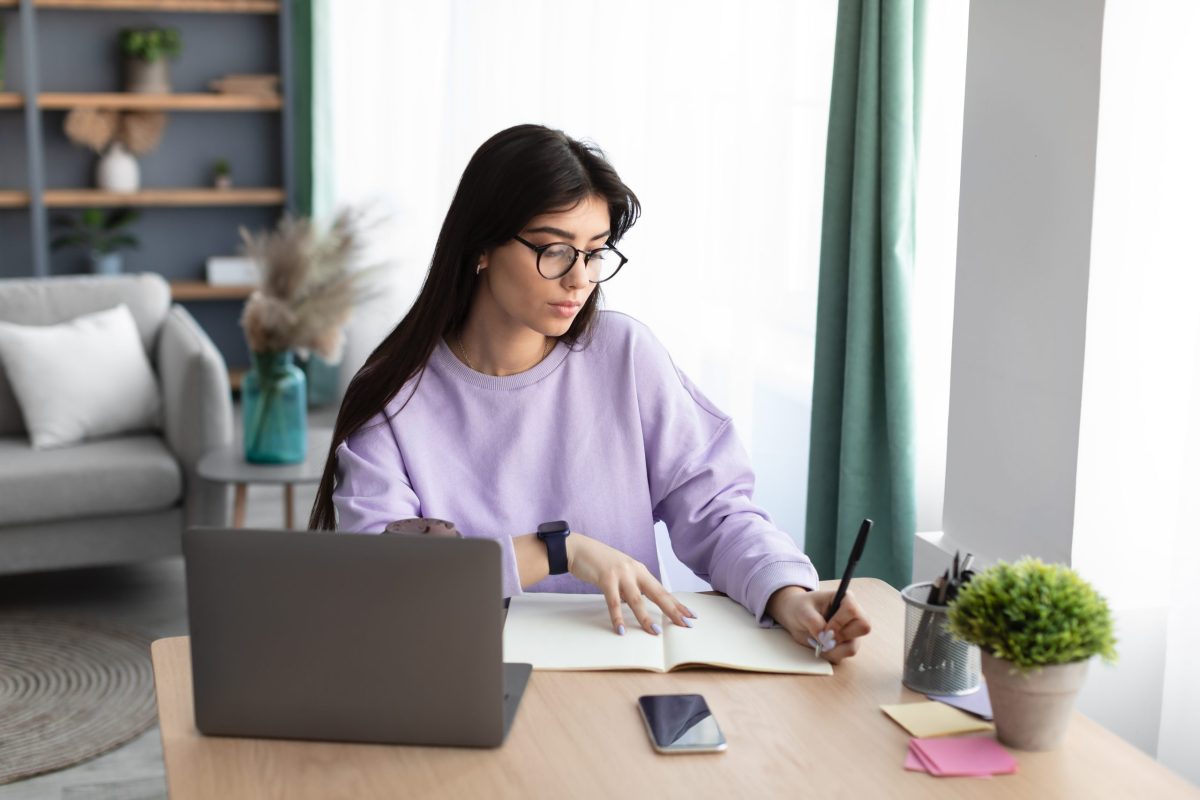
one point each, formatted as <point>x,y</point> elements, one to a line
<point>463,350</point>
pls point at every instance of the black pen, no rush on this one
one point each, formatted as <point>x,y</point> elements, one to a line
<point>855,555</point>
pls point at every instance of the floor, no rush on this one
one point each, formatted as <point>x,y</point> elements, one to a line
<point>149,596</point>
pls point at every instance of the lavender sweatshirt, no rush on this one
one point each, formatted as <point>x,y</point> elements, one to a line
<point>609,436</point>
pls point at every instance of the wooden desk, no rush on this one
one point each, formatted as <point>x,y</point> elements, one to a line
<point>579,735</point>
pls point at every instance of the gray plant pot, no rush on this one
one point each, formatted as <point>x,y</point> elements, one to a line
<point>1032,710</point>
<point>147,77</point>
<point>106,263</point>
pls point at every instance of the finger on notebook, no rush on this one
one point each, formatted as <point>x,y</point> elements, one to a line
<point>633,596</point>
<point>612,596</point>
<point>666,601</point>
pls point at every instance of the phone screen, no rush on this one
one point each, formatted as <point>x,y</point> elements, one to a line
<point>681,723</point>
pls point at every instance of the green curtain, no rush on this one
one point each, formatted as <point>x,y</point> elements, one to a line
<point>310,73</point>
<point>302,105</point>
<point>861,462</point>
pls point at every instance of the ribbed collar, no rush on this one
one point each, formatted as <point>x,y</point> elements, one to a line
<point>449,362</point>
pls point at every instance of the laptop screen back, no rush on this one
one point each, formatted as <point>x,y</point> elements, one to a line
<point>346,637</point>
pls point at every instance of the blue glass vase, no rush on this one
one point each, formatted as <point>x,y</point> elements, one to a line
<point>274,410</point>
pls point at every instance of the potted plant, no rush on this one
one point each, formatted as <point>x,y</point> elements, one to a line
<point>146,51</point>
<point>102,235</point>
<point>1037,625</point>
<point>222,174</point>
<point>308,286</point>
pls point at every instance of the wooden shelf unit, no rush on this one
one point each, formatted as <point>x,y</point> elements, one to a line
<point>198,101</point>
<point>198,6</point>
<point>251,202</point>
<point>81,198</point>
<point>13,198</point>
<point>202,290</point>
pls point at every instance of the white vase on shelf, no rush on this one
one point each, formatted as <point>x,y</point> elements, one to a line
<point>117,170</point>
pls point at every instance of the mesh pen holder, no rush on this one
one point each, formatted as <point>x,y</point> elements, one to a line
<point>935,662</point>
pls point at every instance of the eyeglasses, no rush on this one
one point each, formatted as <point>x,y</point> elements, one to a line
<point>558,258</point>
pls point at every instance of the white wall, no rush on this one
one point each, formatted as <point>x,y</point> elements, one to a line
<point>1075,390</point>
<point>1138,477</point>
<point>938,167</point>
<point>1024,236</point>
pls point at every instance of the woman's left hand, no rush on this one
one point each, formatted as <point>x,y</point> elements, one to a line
<point>802,614</point>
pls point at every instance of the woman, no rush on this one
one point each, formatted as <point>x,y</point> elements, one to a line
<point>505,399</point>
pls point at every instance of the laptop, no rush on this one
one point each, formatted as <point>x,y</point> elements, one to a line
<point>389,639</point>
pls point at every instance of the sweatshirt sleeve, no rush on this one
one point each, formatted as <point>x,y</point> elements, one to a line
<point>372,487</point>
<point>702,487</point>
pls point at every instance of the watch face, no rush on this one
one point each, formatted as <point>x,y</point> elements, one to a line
<point>560,526</point>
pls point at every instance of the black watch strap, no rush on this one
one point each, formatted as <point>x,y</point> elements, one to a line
<point>555,534</point>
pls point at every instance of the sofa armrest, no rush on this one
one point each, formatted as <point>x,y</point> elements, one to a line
<point>197,410</point>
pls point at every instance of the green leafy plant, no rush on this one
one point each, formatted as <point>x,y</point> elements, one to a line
<point>1033,614</point>
<point>96,231</point>
<point>151,44</point>
<point>221,167</point>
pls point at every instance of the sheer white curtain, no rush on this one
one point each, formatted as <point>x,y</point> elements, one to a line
<point>713,112</point>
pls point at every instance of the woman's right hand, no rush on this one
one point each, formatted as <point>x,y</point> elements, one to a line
<point>622,577</point>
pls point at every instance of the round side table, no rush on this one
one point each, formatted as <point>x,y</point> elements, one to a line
<point>228,464</point>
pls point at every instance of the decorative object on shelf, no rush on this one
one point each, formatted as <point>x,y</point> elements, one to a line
<point>118,136</point>
<point>307,289</point>
<point>93,128</point>
<point>142,131</point>
<point>230,270</point>
<point>1038,625</point>
<point>255,85</point>
<point>222,174</point>
<point>102,235</point>
<point>117,170</point>
<point>146,51</point>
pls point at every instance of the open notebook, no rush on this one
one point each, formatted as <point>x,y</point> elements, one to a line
<point>574,632</point>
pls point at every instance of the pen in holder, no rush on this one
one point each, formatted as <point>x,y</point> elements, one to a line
<point>935,662</point>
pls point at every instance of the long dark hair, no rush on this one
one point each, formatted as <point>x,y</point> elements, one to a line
<point>516,175</point>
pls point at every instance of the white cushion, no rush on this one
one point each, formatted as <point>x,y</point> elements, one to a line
<point>81,379</point>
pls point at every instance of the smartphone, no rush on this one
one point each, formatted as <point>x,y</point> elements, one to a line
<point>681,723</point>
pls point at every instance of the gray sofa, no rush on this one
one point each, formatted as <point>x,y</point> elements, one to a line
<point>124,498</point>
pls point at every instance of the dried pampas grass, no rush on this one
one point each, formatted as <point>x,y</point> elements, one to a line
<point>92,128</point>
<point>309,284</point>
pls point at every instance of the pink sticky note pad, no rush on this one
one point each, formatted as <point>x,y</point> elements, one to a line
<point>912,761</point>
<point>964,755</point>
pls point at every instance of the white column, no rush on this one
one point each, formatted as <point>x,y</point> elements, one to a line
<point>1024,238</point>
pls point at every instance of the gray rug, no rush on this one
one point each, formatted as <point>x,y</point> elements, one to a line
<point>70,689</point>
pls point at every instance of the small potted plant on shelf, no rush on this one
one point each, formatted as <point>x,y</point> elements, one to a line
<point>222,174</point>
<point>102,235</point>
<point>146,51</point>
<point>1037,626</point>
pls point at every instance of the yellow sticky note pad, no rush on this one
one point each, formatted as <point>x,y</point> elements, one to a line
<point>932,718</point>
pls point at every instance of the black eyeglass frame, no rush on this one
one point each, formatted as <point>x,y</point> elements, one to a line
<point>587,255</point>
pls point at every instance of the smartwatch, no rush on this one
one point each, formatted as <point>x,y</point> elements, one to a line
<point>555,534</point>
